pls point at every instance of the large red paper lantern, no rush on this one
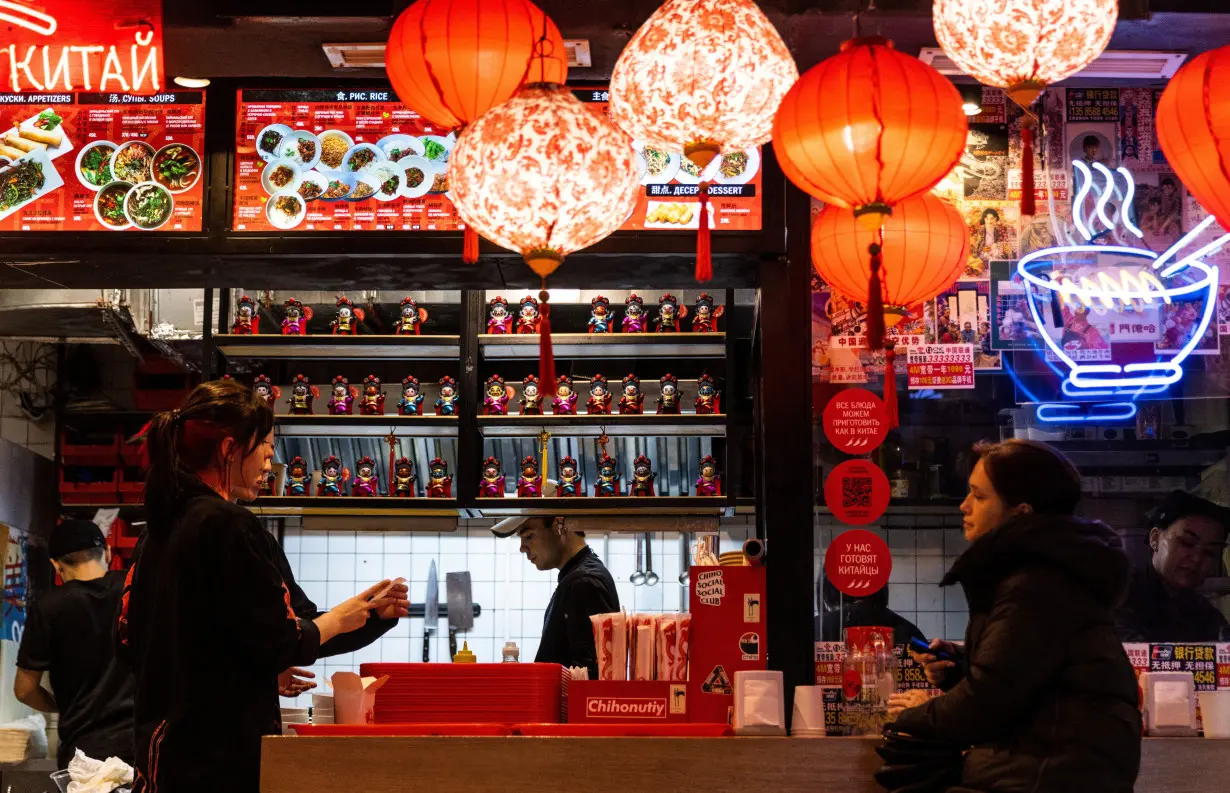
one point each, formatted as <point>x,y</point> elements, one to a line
<point>1193,127</point>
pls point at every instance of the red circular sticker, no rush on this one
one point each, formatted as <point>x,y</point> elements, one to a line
<point>858,563</point>
<point>857,492</point>
<point>855,421</point>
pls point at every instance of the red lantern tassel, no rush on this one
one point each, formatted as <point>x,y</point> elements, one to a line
<point>469,252</point>
<point>546,355</point>
<point>875,302</point>
<point>1027,167</point>
<point>890,385</point>
<point>392,473</point>
<point>704,257</point>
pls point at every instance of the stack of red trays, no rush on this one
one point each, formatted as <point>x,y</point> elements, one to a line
<point>470,693</point>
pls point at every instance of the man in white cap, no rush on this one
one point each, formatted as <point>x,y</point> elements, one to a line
<point>585,587</point>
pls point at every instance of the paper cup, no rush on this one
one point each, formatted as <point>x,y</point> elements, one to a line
<point>1215,713</point>
<point>808,716</point>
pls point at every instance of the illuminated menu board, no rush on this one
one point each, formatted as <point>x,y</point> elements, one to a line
<point>101,161</point>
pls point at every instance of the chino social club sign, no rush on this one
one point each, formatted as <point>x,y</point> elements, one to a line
<point>855,421</point>
<point>858,563</point>
<point>76,45</point>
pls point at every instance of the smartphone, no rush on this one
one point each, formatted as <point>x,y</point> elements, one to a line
<point>921,647</point>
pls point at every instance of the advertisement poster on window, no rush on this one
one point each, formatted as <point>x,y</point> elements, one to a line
<point>1223,310</point>
<point>940,367</point>
<point>1179,321</point>
<point>986,160</point>
<point>992,235</point>
<point>1158,207</point>
<point>1093,104</point>
<point>1012,325</point>
<point>963,316</point>
<point>1138,145</point>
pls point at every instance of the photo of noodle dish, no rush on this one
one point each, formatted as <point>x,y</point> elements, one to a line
<point>737,167</point>
<point>333,147</point>
<point>658,166</point>
<point>285,210</point>
<point>690,173</point>
<point>148,206</point>
<point>132,162</point>
<point>177,167</point>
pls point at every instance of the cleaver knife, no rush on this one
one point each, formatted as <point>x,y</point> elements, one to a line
<point>431,611</point>
<point>460,607</point>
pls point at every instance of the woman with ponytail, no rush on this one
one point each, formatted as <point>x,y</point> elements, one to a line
<point>205,619</point>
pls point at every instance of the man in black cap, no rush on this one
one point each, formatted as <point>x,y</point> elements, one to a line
<point>585,587</point>
<point>68,634</point>
<point>1187,537</point>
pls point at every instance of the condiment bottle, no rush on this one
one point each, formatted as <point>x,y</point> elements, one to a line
<point>465,656</point>
<point>512,655</point>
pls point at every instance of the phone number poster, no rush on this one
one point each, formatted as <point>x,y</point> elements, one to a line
<point>102,162</point>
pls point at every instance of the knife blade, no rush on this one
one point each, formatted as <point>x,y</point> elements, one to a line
<point>460,606</point>
<point>431,611</point>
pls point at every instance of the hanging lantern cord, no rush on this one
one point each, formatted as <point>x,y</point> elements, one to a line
<point>546,355</point>
<point>875,297</point>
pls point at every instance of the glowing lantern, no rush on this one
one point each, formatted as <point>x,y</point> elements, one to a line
<point>450,61</point>
<point>1193,126</point>
<point>703,77</point>
<point>544,176</point>
<point>1024,46</point>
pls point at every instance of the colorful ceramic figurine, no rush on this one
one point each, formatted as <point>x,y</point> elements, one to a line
<point>496,397</point>
<point>302,395</point>
<point>346,322</point>
<point>440,483</point>
<point>642,477</point>
<point>298,480</point>
<point>265,389</point>
<point>670,314</point>
<point>529,320</point>
<point>410,323</point>
<point>634,315</point>
<point>565,401</point>
<point>332,477</point>
<point>365,482</point>
<point>632,403</point>
<point>709,483</point>
<point>599,403</point>
<point>668,402</point>
<point>342,401</point>
<point>708,398</point>
<point>411,403</point>
<point>492,483</point>
<point>266,484</point>
<point>247,320</point>
<point>569,479</point>
<point>529,485</point>
<point>531,396</point>
<point>500,321</point>
<point>449,399</point>
<point>600,319</point>
<point>297,317</point>
<point>705,316</point>
<point>402,484</point>
<point>372,401</point>
<point>607,483</point>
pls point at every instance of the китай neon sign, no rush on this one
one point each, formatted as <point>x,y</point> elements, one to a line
<point>1139,278</point>
<point>76,45</point>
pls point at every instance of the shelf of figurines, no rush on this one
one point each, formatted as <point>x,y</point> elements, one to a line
<point>587,426</point>
<point>352,347</point>
<point>606,505</point>
<point>606,345</point>
<point>365,426</point>
<point>351,505</point>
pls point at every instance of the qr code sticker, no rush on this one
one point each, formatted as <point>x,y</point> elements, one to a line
<point>856,491</point>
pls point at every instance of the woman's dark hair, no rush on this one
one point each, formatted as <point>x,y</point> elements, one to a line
<point>988,212</point>
<point>1028,472</point>
<point>1180,504</point>
<point>182,442</point>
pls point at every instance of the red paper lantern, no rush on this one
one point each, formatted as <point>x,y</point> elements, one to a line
<point>1193,127</point>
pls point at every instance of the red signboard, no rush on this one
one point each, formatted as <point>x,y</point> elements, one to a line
<point>940,366</point>
<point>102,162</point>
<point>75,45</point>
<point>857,492</point>
<point>855,421</point>
<point>858,563</point>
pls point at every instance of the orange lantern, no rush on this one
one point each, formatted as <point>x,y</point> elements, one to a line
<point>1193,127</point>
<point>450,61</point>
<point>702,77</point>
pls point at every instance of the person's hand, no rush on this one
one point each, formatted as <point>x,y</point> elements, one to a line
<point>936,670</point>
<point>352,614</point>
<point>399,592</point>
<point>295,681</point>
<point>906,700</point>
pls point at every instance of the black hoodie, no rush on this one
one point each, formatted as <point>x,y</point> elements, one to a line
<point>1045,695</point>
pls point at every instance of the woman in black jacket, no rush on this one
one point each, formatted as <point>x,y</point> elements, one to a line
<point>206,618</point>
<point>1043,692</point>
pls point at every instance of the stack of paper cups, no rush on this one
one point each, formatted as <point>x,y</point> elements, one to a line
<point>293,716</point>
<point>322,709</point>
<point>808,719</point>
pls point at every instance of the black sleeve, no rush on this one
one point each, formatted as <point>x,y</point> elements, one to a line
<point>586,598</point>
<point>34,653</point>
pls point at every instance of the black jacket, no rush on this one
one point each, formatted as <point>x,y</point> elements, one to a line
<point>1154,613</point>
<point>585,588</point>
<point>206,623</point>
<point>1046,696</point>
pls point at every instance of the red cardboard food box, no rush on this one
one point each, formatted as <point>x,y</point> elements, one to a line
<point>728,635</point>
<point>627,702</point>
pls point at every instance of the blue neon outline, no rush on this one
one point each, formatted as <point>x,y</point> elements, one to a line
<point>1104,195</point>
<point>1127,410</point>
<point>1127,201</point>
<point>1086,186</point>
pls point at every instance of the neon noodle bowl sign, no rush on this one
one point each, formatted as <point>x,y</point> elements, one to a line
<point>1141,278</point>
<point>76,45</point>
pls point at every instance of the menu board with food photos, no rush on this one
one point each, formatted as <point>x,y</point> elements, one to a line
<point>359,160</point>
<point>101,161</point>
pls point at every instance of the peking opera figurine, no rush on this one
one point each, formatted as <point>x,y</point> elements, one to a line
<point>342,401</point>
<point>668,402</point>
<point>332,477</point>
<point>411,403</point>
<point>499,321</point>
<point>410,323</point>
<point>570,484</point>
<point>298,480</point>
<point>497,396</point>
<point>371,403</point>
<point>247,320</point>
<point>599,403</point>
<point>709,483</point>
<point>565,401</point>
<point>607,484</point>
<point>600,318</point>
<point>266,390</point>
<point>449,400</point>
<point>302,395</point>
<point>528,321</point>
<point>708,398</point>
<point>440,482</point>
<point>634,315</point>
<point>297,318</point>
<point>365,482</point>
<point>346,321</point>
<point>705,316</point>
<point>642,477</point>
<point>632,403</point>
<point>492,483</point>
<point>402,484</point>
<point>670,314</point>
<point>531,396</point>
<point>529,484</point>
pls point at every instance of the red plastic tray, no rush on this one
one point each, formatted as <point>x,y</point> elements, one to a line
<point>470,693</point>
<point>402,730</point>
<point>625,730</point>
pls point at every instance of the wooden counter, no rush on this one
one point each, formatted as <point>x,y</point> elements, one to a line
<point>679,765</point>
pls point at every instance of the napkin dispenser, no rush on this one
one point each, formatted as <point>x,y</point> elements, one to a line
<point>1169,704</point>
<point>760,703</point>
